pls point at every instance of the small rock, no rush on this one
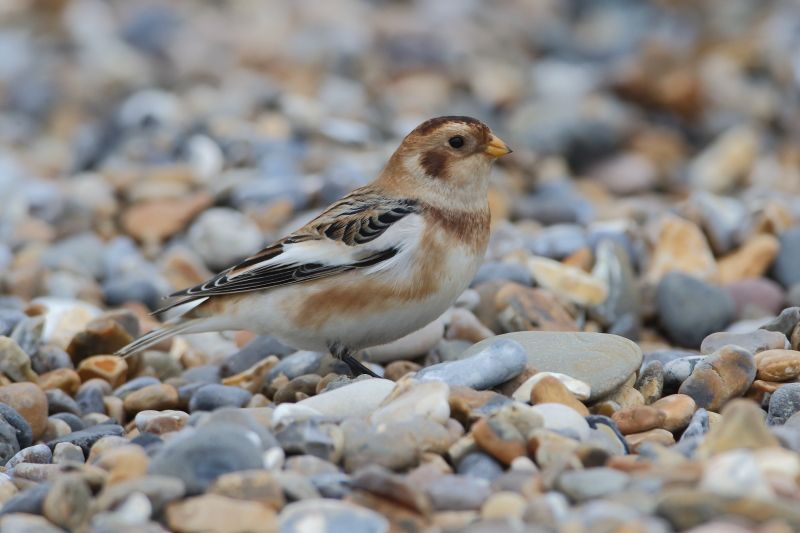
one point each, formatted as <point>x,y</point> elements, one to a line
<point>312,438</point>
<point>214,396</point>
<point>502,505</point>
<point>15,363</point>
<point>519,308</point>
<point>22,522</point>
<point>222,448</point>
<point>67,501</point>
<point>602,361</point>
<point>59,402</point>
<point>751,260</point>
<point>656,436</point>
<point>39,453</point>
<point>222,236</point>
<point>330,516</point>
<point>756,297</point>
<point>678,410</point>
<point>576,387</point>
<point>480,465</point>
<point>90,396</point>
<point>297,389</point>
<point>101,336</point>
<point>783,403</point>
<point>66,452</point>
<point>429,399</point>
<point>570,283</point>
<point>65,379</point>
<point>359,398</point>
<point>253,485</point>
<point>550,390</point>
<point>785,268</point>
<point>21,426</point>
<point>152,221</point>
<point>754,342</point>
<point>465,326</point>
<point>785,322</point>
<point>9,445</point>
<point>252,378</point>
<point>650,382</point>
<point>499,438</point>
<point>690,309</point>
<point>152,397</point>
<point>109,368</point>
<point>678,370</point>
<point>212,513</point>
<point>86,438</point>
<point>562,419</point>
<point>723,375</point>
<point>30,402</point>
<point>496,363</point>
<point>458,493</point>
<point>742,426</point>
<point>681,248</point>
<point>591,483</point>
<point>638,419</point>
<point>778,365</point>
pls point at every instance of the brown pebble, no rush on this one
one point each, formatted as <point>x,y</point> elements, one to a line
<point>259,486</point>
<point>658,436</point>
<point>550,390</point>
<point>253,378</point>
<point>397,369</point>
<point>499,438</point>
<point>678,410</point>
<point>305,385</point>
<point>638,419</point>
<point>521,308</point>
<point>211,513</point>
<point>109,368</point>
<point>101,336</point>
<point>777,365</point>
<point>157,396</point>
<point>65,379</point>
<point>725,374</point>
<point>30,402</point>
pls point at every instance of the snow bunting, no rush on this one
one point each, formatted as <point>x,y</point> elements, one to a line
<point>380,263</point>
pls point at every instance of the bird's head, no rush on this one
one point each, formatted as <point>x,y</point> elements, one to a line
<point>448,158</point>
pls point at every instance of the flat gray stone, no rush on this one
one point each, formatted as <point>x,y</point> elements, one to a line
<point>602,360</point>
<point>497,361</point>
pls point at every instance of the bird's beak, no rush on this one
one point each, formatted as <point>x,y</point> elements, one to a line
<point>497,147</point>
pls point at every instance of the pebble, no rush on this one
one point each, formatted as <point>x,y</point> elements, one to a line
<point>785,268</point>
<point>650,382</point>
<point>253,485</point>
<point>678,370</point>
<point>24,433</point>
<point>783,403</point>
<point>67,502</point>
<point>65,379</point>
<point>14,362</point>
<point>577,388</point>
<point>751,260</point>
<point>101,336</point>
<point>214,396</point>
<point>222,236</point>
<point>106,367</point>
<point>30,402</point>
<point>39,453</point>
<point>330,516</point>
<point>582,485</point>
<point>756,297</point>
<point>212,513</point>
<point>613,359</point>
<point>777,365</point>
<point>742,427</point>
<point>678,410</point>
<point>9,445</point>
<point>66,452</point>
<point>721,376</point>
<point>638,419</point>
<point>160,422</point>
<point>681,248</point>
<point>428,399</point>
<point>26,523</point>
<point>86,438</point>
<point>550,390</point>
<point>690,309</point>
<point>562,419</point>
<point>224,448</point>
<point>357,399</point>
<point>568,282</point>
<point>458,493</point>
<point>484,368</point>
<point>151,397</point>
<point>754,342</point>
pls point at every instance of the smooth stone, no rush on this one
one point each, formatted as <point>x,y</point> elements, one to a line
<point>778,365</point>
<point>9,446</point>
<point>429,399</point>
<point>30,402</point>
<point>90,396</point>
<point>480,465</point>
<point>64,379</point>
<point>67,502</point>
<point>613,266</point>
<point>66,452</point>
<point>785,269</point>
<point>413,345</point>
<point>305,362</point>
<point>690,309</point>
<point>86,438</point>
<point>40,453</point>
<point>458,493</point>
<point>60,402</point>
<point>562,419</point>
<point>785,322</point>
<point>222,236</point>
<point>212,513</point>
<point>754,342</point>
<point>579,389</point>
<point>568,282</point>
<point>678,370</point>
<point>742,426</point>
<point>602,361</point>
<point>498,437</point>
<point>23,429</point>
<point>591,483</point>
<point>214,396</point>
<point>14,362</point>
<point>28,501</point>
<point>293,411</point>
<point>783,403</point>
<point>110,368</point>
<point>516,307</point>
<point>74,422</point>
<point>750,260</point>
<point>655,436</point>
<point>756,297</point>
<point>151,397</point>
<point>735,473</point>
<point>678,410</point>
<point>159,490</point>
<point>492,271</point>
<point>638,419</point>
<point>259,486</point>
<point>101,336</point>
<point>495,362</point>
<point>160,422</point>
<point>721,376</point>
<point>310,437</point>
<point>330,516</point>
<point>359,398</point>
<point>9,318</point>
<point>200,457</point>
<point>681,247</point>
<point>650,382</point>
<point>551,390</point>
<point>252,353</point>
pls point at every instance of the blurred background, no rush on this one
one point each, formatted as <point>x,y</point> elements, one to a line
<point>145,145</point>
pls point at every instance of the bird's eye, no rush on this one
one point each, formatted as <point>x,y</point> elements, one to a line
<point>456,142</point>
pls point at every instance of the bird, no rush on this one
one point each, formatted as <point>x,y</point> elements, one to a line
<point>380,263</point>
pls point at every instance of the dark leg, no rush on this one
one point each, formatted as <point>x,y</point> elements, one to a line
<point>340,352</point>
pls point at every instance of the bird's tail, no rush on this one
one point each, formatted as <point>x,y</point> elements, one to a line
<point>171,328</point>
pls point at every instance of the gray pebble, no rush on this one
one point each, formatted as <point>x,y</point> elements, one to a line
<point>591,483</point>
<point>87,437</point>
<point>678,370</point>
<point>39,453</point>
<point>214,396</point>
<point>8,441</point>
<point>786,268</point>
<point>479,465</point>
<point>495,364</point>
<point>21,426</point>
<point>783,403</point>
<point>67,452</point>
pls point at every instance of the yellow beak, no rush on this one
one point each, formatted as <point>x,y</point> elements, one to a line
<point>497,147</point>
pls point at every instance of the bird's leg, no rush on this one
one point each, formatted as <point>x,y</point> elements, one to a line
<point>344,354</point>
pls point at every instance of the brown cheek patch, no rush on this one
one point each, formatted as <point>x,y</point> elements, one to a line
<point>434,163</point>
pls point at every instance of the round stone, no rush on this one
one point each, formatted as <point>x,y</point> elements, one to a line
<point>495,361</point>
<point>601,360</point>
<point>330,516</point>
<point>30,402</point>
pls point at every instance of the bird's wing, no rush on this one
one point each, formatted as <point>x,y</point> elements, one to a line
<point>359,231</point>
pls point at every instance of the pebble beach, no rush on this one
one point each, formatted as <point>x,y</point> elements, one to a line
<point>626,360</point>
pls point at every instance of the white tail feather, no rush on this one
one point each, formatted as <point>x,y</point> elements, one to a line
<point>157,335</point>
